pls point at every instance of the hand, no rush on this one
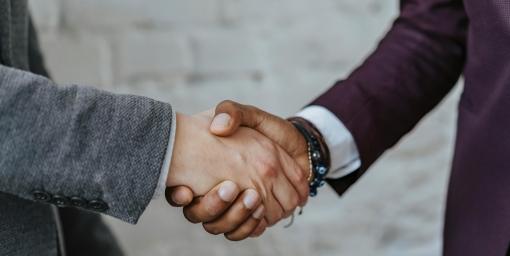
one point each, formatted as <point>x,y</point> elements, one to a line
<point>252,161</point>
<point>229,116</point>
<point>209,209</point>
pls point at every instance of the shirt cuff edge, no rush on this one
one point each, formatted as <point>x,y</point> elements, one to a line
<point>166,161</point>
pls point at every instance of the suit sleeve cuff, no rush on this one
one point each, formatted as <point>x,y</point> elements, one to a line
<point>160,189</point>
<point>344,153</point>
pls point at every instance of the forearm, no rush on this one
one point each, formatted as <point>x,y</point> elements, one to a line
<point>73,140</point>
<point>413,68</point>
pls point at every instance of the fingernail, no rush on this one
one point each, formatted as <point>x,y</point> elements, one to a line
<point>257,214</point>
<point>227,191</point>
<point>251,199</point>
<point>221,120</point>
<point>175,198</point>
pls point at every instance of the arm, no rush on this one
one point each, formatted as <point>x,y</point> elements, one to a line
<point>413,68</point>
<point>73,140</point>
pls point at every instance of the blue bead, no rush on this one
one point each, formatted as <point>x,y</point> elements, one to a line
<point>321,183</point>
<point>313,193</point>
<point>322,170</point>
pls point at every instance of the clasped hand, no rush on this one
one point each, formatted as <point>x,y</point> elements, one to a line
<point>237,148</point>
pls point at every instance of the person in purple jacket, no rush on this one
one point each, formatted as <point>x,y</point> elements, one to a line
<point>417,63</point>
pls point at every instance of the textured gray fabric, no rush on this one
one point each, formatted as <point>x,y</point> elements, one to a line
<point>26,228</point>
<point>70,140</point>
<point>76,140</point>
<point>14,33</point>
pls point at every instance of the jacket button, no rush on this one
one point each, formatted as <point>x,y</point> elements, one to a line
<point>59,201</point>
<point>78,202</point>
<point>41,196</point>
<point>97,205</point>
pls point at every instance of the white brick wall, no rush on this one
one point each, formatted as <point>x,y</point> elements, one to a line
<point>114,14</point>
<point>87,58</point>
<point>223,52</point>
<point>275,54</point>
<point>154,53</point>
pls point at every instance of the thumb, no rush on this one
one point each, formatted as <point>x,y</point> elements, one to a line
<point>178,196</point>
<point>230,115</point>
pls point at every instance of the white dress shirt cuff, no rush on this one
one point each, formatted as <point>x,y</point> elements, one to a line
<point>160,189</point>
<point>342,148</point>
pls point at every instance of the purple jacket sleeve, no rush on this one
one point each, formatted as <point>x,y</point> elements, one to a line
<point>413,68</point>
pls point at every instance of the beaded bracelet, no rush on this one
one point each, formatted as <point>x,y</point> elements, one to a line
<point>318,153</point>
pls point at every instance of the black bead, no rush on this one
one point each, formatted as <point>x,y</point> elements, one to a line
<point>59,201</point>
<point>41,196</point>
<point>78,202</point>
<point>97,205</point>
<point>316,155</point>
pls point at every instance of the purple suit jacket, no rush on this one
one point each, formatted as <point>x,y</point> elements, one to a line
<point>414,67</point>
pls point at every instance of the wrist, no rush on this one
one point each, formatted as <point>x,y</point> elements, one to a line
<point>197,155</point>
<point>318,153</point>
<point>175,175</point>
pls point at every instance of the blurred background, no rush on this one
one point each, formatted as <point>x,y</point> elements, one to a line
<point>277,55</point>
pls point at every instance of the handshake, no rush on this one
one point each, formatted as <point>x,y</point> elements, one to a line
<point>236,149</point>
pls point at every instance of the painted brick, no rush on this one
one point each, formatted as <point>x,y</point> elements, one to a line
<point>154,53</point>
<point>225,52</point>
<point>112,14</point>
<point>79,59</point>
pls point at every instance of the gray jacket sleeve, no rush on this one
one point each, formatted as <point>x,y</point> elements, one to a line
<point>75,140</point>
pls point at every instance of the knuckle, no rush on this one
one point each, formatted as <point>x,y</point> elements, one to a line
<point>268,169</point>
<point>294,202</point>
<point>232,108</point>
<point>190,216</point>
<point>235,237</point>
<point>212,229</point>
<point>227,104</point>
<point>210,210</point>
<point>301,177</point>
<point>277,217</point>
<point>269,146</point>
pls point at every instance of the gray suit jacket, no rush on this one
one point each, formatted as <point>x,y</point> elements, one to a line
<point>69,145</point>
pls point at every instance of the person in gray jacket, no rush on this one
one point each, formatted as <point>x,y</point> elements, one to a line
<point>69,152</point>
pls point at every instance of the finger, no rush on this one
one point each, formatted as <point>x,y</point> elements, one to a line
<point>178,196</point>
<point>248,227</point>
<point>274,211</point>
<point>286,195</point>
<point>260,229</point>
<point>212,204</point>
<point>282,191</point>
<point>230,115</point>
<point>295,175</point>
<point>237,213</point>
